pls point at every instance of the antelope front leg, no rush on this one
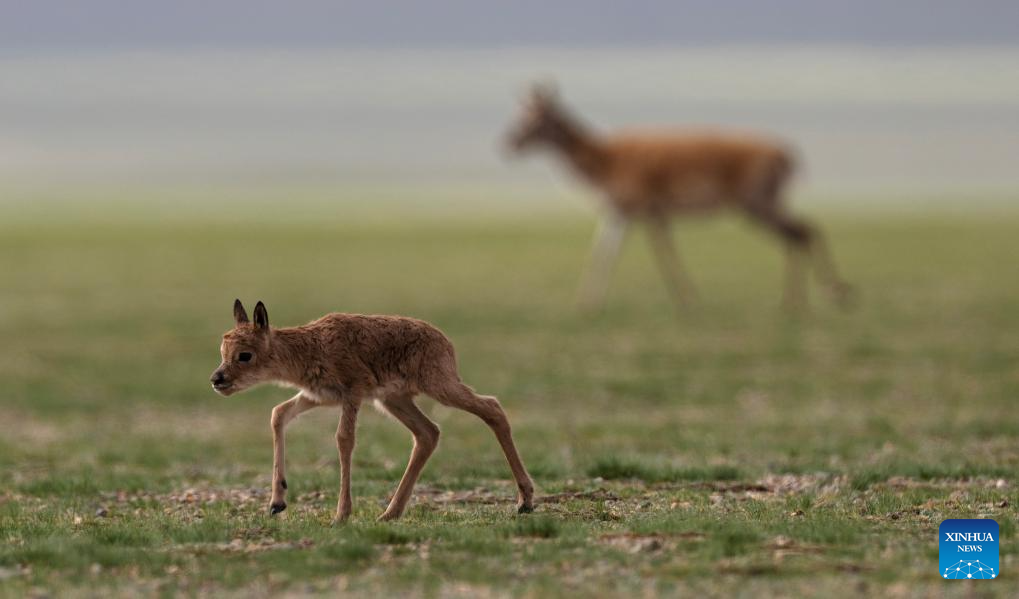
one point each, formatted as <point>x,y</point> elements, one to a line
<point>841,291</point>
<point>607,244</point>
<point>281,416</point>
<point>345,447</point>
<point>680,287</point>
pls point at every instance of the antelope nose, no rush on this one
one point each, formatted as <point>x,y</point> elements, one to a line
<point>218,378</point>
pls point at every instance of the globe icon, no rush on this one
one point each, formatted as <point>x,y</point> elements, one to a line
<point>969,569</point>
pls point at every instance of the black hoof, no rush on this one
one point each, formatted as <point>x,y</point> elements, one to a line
<point>276,508</point>
<point>525,509</point>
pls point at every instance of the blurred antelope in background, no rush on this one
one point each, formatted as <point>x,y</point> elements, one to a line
<point>648,178</point>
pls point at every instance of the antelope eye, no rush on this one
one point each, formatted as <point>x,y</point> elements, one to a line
<point>244,356</point>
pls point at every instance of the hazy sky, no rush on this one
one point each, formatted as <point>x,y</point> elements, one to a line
<point>873,93</point>
<point>49,24</point>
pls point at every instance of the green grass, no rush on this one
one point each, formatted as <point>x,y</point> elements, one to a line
<point>723,450</point>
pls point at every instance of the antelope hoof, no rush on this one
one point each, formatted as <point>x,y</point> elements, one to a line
<point>846,296</point>
<point>525,508</point>
<point>277,508</point>
<point>387,517</point>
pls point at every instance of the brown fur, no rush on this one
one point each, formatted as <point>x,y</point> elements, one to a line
<point>651,177</point>
<point>343,360</point>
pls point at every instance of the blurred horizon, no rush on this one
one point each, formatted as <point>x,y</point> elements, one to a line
<point>908,98</point>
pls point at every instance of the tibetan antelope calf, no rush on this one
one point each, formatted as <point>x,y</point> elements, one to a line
<point>649,178</point>
<point>344,359</point>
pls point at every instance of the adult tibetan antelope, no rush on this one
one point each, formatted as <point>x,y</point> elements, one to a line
<point>648,178</point>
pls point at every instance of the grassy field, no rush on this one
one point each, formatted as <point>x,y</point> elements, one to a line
<point>726,450</point>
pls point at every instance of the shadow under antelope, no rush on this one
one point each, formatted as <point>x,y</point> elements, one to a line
<point>651,177</point>
<point>344,359</point>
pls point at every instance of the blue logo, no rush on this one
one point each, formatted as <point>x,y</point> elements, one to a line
<point>968,549</point>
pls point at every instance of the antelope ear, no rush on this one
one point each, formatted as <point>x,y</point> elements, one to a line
<point>261,317</point>
<point>530,97</point>
<point>240,316</point>
<point>544,92</point>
